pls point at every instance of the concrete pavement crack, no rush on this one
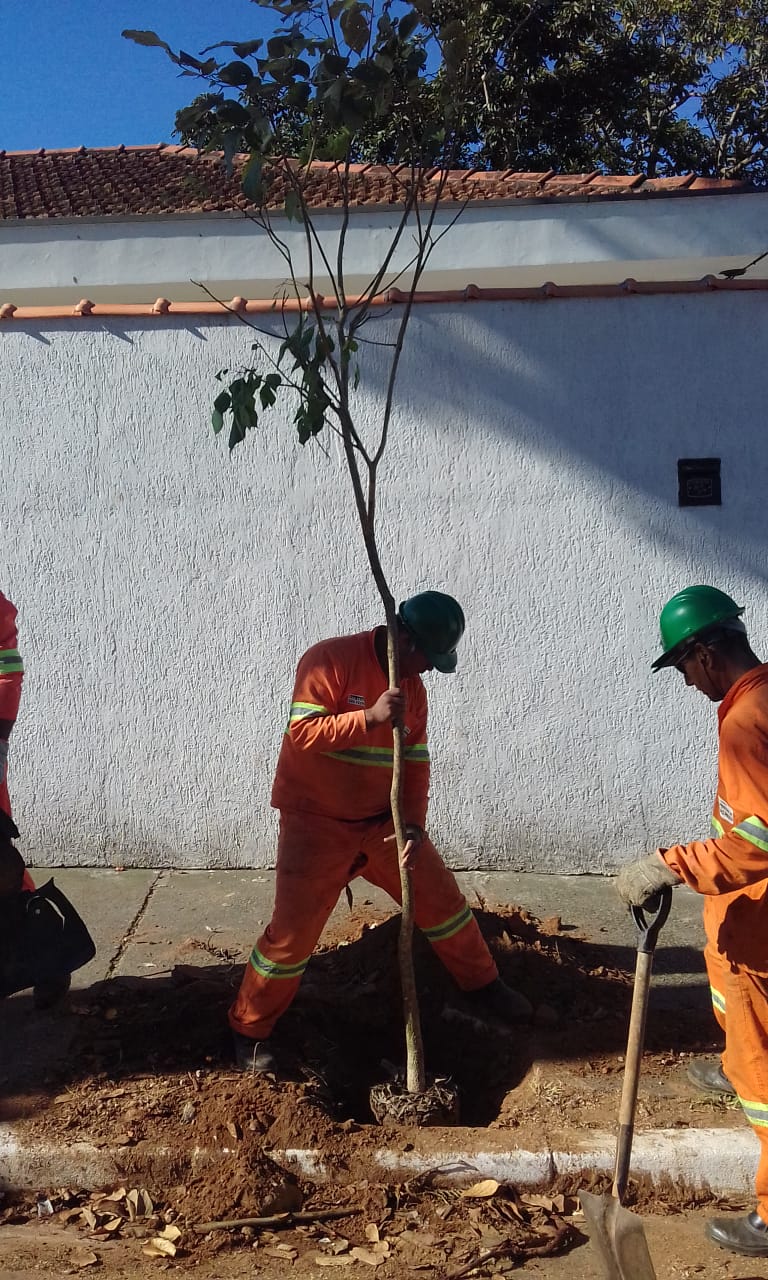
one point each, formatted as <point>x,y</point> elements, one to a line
<point>132,927</point>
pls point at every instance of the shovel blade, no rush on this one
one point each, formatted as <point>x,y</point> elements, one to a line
<point>618,1237</point>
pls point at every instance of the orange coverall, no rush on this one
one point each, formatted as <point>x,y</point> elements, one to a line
<point>731,869</point>
<point>332,789</point>
<point>11,677</point>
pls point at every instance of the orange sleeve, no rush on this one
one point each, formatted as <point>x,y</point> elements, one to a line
<point>416,772</point>
<point>314,723</point>
<point>737,854</point>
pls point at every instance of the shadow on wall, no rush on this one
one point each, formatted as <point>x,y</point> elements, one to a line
<point>620,388</point>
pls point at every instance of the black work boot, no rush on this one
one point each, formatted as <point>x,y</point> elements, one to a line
<point>48,994</point>
<point>748,1236</point>
<point>497,1000</point>
<point>254,1057</point>
<point>710,1077</point>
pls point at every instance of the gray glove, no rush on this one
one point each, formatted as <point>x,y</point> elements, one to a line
<point>639,881</point>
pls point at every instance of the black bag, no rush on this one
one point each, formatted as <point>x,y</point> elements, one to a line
<point>42,938</point>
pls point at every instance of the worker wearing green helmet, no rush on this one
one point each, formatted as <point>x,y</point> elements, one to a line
<point>704,638</point>
<point>332,788</point>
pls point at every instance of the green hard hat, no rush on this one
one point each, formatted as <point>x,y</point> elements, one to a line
<point>689,613</point>
<point>436,623</point>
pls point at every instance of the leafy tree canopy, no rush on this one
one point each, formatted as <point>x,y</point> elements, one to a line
<point>658,87</point>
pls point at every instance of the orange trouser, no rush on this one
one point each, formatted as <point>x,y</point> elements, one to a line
<point>316,858</point>
<point>740,1003</point>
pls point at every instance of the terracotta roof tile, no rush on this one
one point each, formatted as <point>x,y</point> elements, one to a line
<point>129,181</point>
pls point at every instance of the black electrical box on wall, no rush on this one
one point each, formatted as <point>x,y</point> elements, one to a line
<point>698,482</point>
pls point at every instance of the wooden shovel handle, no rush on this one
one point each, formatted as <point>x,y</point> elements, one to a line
<point>635,1042</point>
<point>649,922</point>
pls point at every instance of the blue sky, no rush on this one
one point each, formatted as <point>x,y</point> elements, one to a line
<point>70,79</point>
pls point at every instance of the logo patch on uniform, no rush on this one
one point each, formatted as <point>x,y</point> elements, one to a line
<point>725,810</point>
<point>356,699</point>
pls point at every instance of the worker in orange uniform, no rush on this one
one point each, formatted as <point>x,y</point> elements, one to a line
<point>704,638</point>
<point>332,789</point>
<point>38,949</point>
<point>11,678</point>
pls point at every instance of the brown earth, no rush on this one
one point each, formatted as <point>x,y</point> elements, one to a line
<point>151,1067</point>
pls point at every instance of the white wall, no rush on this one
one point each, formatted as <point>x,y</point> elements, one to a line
<point>50,262</point>
<point>166,591</point>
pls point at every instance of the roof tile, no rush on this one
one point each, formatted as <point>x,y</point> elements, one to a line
<point>155,180</point>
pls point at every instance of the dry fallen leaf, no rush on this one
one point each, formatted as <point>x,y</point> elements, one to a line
<point>171,1232</point>
<point>89,1217</point>
<point>339,1245</point>
<point>538,1202</point>
<point>234,1129</point>
<point>327,1260</point>
<point>83,1258</point>
<point>371,1231</point>
<point>481,1190</point>
<point>367,1255</point>
<point>159,1248</point>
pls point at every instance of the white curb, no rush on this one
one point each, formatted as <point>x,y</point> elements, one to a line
<point>725,1160</point>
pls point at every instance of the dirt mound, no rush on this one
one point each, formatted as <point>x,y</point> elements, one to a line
<point>151,1066</point>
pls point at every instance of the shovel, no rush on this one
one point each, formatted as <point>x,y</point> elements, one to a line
<point>617,1234</point>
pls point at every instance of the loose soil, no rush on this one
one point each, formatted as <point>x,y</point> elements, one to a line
<point>151,1066</point>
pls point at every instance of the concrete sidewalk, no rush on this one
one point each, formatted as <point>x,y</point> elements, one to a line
<point>145,922</point>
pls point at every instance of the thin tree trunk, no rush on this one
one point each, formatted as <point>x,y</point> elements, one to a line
<point>415,1078</point>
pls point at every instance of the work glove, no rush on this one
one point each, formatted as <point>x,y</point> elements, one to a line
<point>639,881</point>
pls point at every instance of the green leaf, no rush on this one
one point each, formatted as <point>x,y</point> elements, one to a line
<point>338,145</point>
<point>246,49</point>
<point>355,27</point>
<point>232,113</point>
<point>217,419</point>
<point>298,96</point>
<point>332,65</point>
<point>235,73</point>
<point>223,400</point>
<point>293,206</point>
<point>407,25</point>
<point>253,186</point>
<point>236,435</point>
<point>147,38</point>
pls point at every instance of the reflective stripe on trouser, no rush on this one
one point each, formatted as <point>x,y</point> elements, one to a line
<point>314,862</point>
<point>742,1011</point>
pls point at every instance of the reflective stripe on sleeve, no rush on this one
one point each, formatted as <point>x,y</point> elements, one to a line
<point>10,662</point>
<point>418,753</point>
<point>716,828</point>
<point>305,711</point>
<point>440,932</point>
<point>752,829</point>
<point>718,1000</point>
<point>268,969</point>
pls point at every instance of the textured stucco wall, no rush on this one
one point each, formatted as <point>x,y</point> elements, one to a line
<point>166,590</point>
